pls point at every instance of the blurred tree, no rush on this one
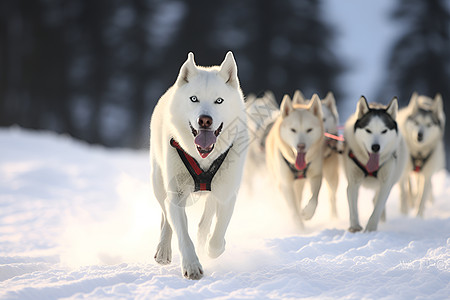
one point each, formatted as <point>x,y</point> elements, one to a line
<point>293,49</point>
<point>281,46</point>
<point>95,69</point>
<point>420,59</point>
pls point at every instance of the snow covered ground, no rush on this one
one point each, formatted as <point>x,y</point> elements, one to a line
<point>80,222</point>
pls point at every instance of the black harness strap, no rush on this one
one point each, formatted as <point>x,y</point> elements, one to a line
<point>202,179</point>
<point>419,161</point>
<point>361,166</point>
<point>298,174</point>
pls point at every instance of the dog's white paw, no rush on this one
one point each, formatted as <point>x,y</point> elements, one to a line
<point>309,210</point>
<point>419,213</point>
<point>299,223</point>
<point>215,249</point>
<point>163,254</point>
<point>355,228</point>
<point>192,270</point>
<point>371,227</point>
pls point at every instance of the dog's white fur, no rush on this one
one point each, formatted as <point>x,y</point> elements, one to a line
<point>306,121</point>
<point>172,184</point>
<point>261,113</point>
<point>331,155</point>
<point>393,153</point>
<point>411,122</point>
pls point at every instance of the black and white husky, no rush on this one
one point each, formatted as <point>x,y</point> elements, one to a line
<point>375,156</point>
<point>422,124</point>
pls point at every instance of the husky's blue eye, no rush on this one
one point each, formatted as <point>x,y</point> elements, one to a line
<point>219,101</point>
<point>368,131</point>
<point>384,131</point>
<point>194,99</point>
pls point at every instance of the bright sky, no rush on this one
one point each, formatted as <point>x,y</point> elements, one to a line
<point>365,35</point>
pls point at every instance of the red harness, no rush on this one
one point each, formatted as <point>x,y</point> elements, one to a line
<point>202,179</point>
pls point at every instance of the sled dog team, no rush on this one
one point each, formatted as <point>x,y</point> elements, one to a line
<point>200,137</point>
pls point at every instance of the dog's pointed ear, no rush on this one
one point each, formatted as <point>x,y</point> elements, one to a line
<point>438,108</point>
<point>438,103</point>
<point>188,70</point>
<point>270,96</point>
<point>228,70</point>
<point>413,103</point>
<point>392,108</point>
<point>298,97</point>
<point>286,106</point>
<point>330,102</point>
<point>270,101</point>
<point>315,106</point>
<point>362,107</point>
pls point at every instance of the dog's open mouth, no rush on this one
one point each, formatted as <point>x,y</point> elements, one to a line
<point>205,139</point>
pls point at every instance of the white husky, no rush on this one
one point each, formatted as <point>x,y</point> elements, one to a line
<point>197,147</point>
<point>375,155</point>
<point>422,123</point>
<point>294,154</point>
<point>332,146</point>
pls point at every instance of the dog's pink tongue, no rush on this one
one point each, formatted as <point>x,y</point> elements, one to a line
<point>300,162</point>
<point>372,164</point>
<point>205,138</point>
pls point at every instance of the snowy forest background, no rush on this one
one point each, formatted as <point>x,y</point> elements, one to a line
<point>95,69</point>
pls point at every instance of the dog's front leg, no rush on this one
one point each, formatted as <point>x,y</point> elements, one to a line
<point>352,196</point>
<point>224,211</point>
<point>380,204</point>
<point>424,192</point>
<point>204,226</point>
<point>164,250</point>
<point>310,208</point>
<point>383,213</point>
<point>190,265</point>
<point>331,175</point>
<point>292,192</point>
<point>404,194</point>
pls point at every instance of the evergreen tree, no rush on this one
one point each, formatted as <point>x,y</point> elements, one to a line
<point>420,59</point>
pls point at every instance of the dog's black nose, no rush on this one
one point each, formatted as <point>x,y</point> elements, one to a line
<point>420,136</point>
<point>375,148</point>
<point>204,121</point>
